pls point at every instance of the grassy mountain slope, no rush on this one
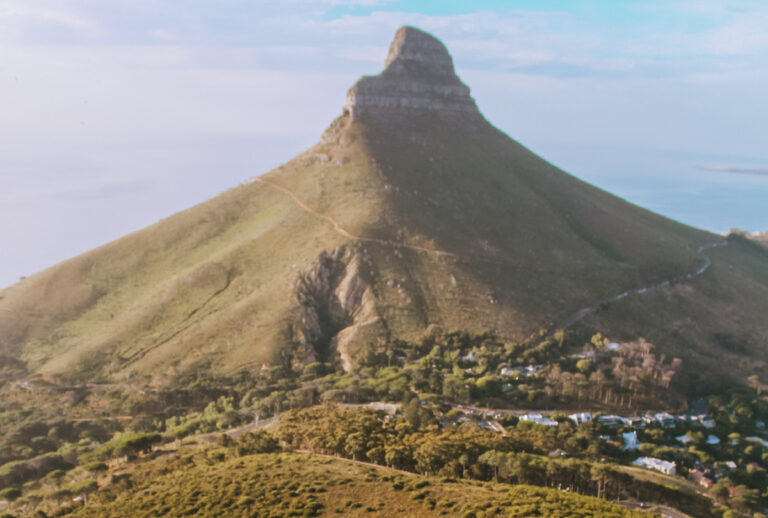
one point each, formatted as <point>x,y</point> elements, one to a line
<point>399,222</point>
<point>299,485</point>
<point>213,280</point>
<point>715,323</point>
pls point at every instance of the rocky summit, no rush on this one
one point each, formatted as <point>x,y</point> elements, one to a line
<point>412,215</point>
<point>418,75</point>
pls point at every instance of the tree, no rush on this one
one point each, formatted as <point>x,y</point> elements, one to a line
<point>396,456</point>
<point>376,455</point>
<point>585,366</point>
<point>429,457</point>
<point>488,386</point>
<point>258,441</point>
<point>598,340</point>
<point>412,412</point>
<point>355,445</point>
<point>720,491</point>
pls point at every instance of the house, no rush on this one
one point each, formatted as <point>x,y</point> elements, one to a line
<point>685,439</point>
<point>713,439</point>
<point>469,357</point>
<point>610,420</point>
<point>539,419</point>
<point>668,468</point>
<point>516,371</point>
<point>630,441</point>
<point>704,420</point>
<point>581,418</point>
<point>664,419</point>
<point>700,479</point>
<point>557,454</point>
<point>613,346</point>
<point>388,408</point>
<point>487,426</point>
<point>509,371</point>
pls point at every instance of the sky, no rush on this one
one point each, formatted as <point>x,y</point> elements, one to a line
<point>116,114</point>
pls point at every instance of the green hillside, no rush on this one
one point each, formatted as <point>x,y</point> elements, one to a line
<point>302,485</point>
<point>412,215</point>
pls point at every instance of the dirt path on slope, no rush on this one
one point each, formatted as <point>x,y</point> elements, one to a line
<point>344,232</point>
<point>582,313</point>
<point>570,321</point>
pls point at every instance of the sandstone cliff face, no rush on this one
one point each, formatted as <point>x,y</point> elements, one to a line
<point>418,75</point>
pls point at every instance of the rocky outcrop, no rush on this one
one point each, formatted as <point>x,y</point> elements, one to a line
<point>418,75</point>
<point>338,305</point>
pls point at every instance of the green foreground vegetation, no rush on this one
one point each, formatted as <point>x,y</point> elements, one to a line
<point>218,481</point>
<point>50,453</point>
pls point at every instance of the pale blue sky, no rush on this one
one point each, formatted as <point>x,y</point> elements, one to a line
<point>115,114</point>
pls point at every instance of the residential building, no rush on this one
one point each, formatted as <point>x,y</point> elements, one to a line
<point>668,468</point>
<point>630,441</point>
<point>610,420</point>
<point>581,418</point>
<point>539,419</point>
<point>700,479</point>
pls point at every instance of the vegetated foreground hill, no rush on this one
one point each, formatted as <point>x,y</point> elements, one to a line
<point>411,215</point>
<point>301,485</point>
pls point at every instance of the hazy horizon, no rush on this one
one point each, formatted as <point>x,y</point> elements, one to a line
<point>116,116</point>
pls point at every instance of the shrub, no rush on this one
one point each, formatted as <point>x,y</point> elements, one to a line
<point>86,486</point>
<point>95,467</point>
<point>10,494</point>
<point>258,441</point>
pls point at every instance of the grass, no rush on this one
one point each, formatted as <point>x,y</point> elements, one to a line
<point>677,483</point>
<point>204,483</point>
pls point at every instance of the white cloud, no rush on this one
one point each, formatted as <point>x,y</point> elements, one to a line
<point>18,17</point>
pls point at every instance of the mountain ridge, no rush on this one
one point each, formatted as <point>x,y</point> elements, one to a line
<point>413,214</point>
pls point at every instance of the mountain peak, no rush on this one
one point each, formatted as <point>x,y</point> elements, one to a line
<point>418,75</point>
<point>413,50</point>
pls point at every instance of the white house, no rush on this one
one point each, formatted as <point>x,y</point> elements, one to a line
<point>539,419</point>
<point>664,419</point>
<point>581,418</point>
<point>630,440</point>
<point>668,468</point>
<point>704,420</point>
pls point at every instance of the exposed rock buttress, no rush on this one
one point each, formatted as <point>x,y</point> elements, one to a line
<point>338,305</point>
<point>418,75</point>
